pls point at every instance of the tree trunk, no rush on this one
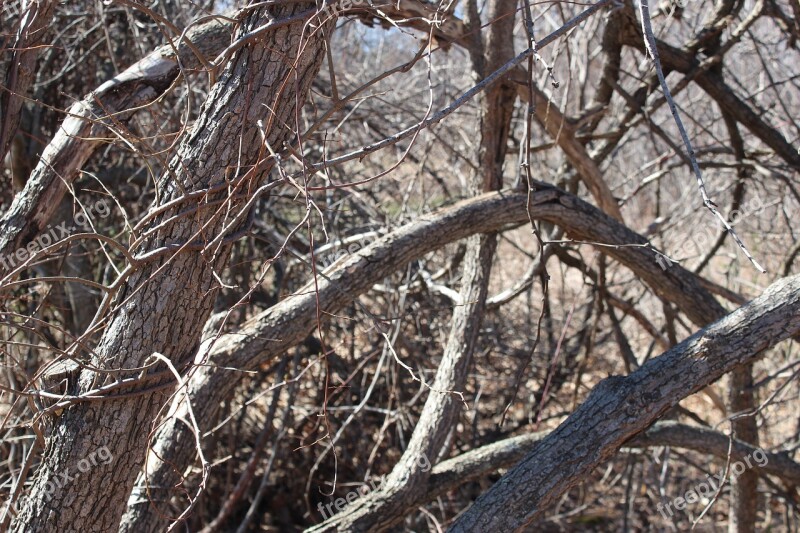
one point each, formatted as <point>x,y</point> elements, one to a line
<point>170,290</point>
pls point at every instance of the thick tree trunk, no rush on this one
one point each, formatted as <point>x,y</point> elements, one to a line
<point>172,282</point>
<point>162,307</point>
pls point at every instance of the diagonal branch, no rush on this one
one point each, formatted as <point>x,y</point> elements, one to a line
<point>620,407</point>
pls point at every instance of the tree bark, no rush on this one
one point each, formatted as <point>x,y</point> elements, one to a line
<point>163,305</point>
<point>387,506</point>
<point>743,512</point>
<point>84,129</point>
<point>620,407</point>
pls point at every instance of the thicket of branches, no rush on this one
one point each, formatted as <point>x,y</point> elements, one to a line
<point>481,265</point>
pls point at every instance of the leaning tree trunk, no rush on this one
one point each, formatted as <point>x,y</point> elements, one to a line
<point>170,288</point>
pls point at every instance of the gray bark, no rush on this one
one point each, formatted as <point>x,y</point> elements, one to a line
<point>620,407</point>
<point>169,293</point>
<point>270,333</point>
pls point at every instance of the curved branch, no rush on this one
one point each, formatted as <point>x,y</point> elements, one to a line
<point>270,333</point>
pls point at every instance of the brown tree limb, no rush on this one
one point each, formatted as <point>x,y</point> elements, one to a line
<point>674,58</point>
<point>564,134</point>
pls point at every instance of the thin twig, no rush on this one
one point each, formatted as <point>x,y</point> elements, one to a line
<point>652,48</point>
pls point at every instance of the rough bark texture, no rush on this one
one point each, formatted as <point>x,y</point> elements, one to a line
<point>620,407</point>
<point>84,130</point>
<point>163,305</point>
<point>386,507</point>
<point>133,337</point>
<point>270,333</point>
